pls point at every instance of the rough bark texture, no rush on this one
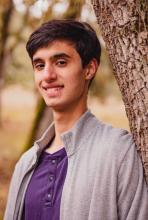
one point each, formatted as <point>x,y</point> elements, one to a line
<point>124,28</point>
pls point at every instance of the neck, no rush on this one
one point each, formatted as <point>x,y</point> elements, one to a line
<point>64,121</point>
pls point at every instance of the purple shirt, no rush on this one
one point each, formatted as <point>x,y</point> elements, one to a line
<point>43,195</point>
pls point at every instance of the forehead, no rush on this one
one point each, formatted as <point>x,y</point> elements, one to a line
<point>57,46</point>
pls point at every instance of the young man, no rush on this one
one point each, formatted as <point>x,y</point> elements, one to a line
<point>81,168</point>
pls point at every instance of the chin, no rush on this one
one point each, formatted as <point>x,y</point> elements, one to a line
<point>61,107</point>
<point>52,104</point>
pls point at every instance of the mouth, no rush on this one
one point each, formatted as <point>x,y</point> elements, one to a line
<point>53,87</point>
<point>53,90</point>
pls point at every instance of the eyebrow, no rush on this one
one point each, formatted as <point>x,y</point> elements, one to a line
<point>59,55</point>
<point>53,57</point>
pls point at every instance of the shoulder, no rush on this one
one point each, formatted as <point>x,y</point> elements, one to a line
<point>116,146</point>
<point>22,166</point>
<point>111,140</point>
<point>111,134</point>
<point>27,159</point>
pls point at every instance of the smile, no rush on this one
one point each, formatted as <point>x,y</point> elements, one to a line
<point>52,86</point>
<point>53,91</point>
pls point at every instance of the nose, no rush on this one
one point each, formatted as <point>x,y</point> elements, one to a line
<point>49,73</point>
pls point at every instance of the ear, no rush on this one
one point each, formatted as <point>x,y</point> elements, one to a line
<point>91,69</point>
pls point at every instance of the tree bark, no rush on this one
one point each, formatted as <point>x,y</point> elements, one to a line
<point>6,12</point>
<point>124,29</point>
<point>5,17</point>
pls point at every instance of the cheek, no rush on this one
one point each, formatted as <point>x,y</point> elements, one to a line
<point>76,86</point>
<point>75,76</point>
<point>77,80</point>
<point>37,79</point>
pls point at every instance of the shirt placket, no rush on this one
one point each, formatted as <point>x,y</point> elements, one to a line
<point>53,162</point>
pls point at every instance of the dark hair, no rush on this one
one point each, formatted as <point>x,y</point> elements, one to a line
<point>80,34</point>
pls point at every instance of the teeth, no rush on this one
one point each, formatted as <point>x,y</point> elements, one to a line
<point>56,88</point>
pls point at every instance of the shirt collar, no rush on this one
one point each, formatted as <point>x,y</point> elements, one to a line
<point>72,138</point>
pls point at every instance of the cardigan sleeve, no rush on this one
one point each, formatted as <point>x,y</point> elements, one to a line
<point>132,192</point>
<point>25,163</point>
<point>12,195</point>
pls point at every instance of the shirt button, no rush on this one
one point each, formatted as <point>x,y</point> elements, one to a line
<point>49,195</point>
<point>53,161</point>
<point>51,178</point>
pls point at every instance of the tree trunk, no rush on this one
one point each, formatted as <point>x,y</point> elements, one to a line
<point>124,28</point>
<point>6,12</point>
<point>42,119</point>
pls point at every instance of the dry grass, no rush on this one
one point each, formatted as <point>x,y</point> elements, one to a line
<point>17,115</point>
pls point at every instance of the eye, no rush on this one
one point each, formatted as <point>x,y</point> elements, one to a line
<point>39,66</point>
<point>61,62</point>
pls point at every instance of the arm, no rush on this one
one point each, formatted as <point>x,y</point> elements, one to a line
<point>12,195</point>
<point>132,192</point>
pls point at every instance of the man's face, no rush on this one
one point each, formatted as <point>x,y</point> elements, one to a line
<point>59,75</point>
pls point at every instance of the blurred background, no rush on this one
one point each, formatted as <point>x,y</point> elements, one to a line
<point>21,108</point>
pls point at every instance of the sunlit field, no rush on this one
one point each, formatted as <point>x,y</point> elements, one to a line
<point>18,110</point>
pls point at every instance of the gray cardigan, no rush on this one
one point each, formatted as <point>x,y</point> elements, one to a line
<point>104,179</point>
